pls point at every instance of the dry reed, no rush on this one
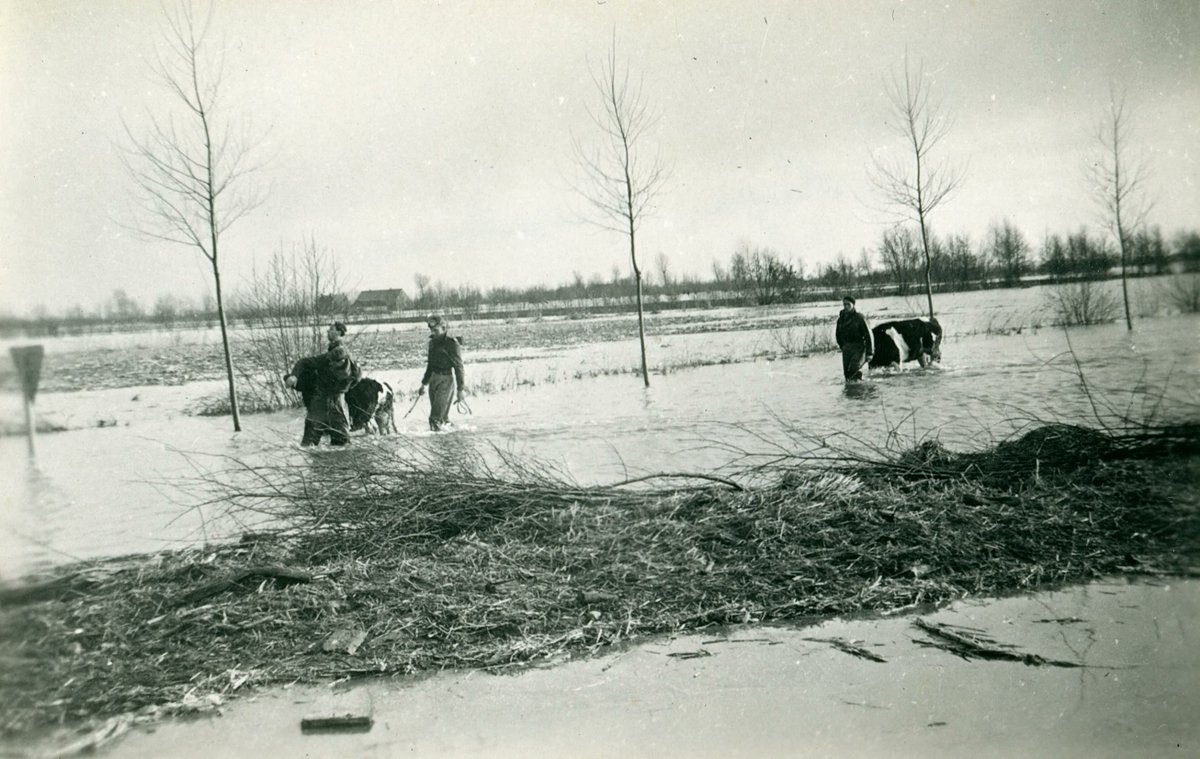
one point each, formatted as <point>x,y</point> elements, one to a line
<point>424,564</point>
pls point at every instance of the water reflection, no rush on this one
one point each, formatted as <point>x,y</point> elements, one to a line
<point>27,536</point>
<point>454,445</point>
<point>860,391</point>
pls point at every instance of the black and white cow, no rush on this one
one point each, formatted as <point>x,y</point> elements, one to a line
<point>372,406</point>
<point>897,342</point>
<point>371,403</point>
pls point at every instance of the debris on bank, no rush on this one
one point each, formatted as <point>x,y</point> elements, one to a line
<point>387,563</point>
<point>974,644</point>
<point>850,647</point>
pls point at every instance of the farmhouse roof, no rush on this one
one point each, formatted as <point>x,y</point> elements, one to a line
<point>379,295</point>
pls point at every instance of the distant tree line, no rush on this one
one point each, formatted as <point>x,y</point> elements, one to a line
<point>757,275</point>
<point>1004,258</point>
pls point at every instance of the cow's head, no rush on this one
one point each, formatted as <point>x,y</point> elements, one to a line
<point>935,330</point>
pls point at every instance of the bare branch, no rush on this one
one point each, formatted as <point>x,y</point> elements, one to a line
<point>913,188</point>
<point>190,171</point>
<point>1119,181</point>
<point>617,181</point>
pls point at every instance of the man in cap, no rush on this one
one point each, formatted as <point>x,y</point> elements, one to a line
<point>443,373</point>
<point>854,339</point>
<point>323,381</point>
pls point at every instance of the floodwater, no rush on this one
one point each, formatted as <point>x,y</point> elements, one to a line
<point>778,691</point>
<point>120,482</point>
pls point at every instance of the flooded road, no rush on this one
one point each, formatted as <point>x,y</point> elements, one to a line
<point>780,691</point>
<point>121,483</point>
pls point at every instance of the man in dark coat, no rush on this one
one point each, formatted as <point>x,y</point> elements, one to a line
<point>322,382</point>
<point>443,373</point>
<point>854,339</point>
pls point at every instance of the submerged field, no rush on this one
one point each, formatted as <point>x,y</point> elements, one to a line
<point>179,357</point>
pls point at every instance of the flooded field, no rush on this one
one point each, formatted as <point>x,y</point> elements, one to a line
<point>120,479</point>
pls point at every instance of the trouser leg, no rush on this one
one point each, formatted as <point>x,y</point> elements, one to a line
<point>441,389</point>
<point>312,433</point>
<point>339,421</point>
<point>852,361</point>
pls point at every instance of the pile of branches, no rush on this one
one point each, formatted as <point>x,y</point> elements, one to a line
<point>399,561</point>
<point>1049,449</point>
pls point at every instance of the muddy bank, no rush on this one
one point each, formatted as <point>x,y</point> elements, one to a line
<point>764,690</point>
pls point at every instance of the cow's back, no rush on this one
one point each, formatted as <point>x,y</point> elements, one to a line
<point>903,340</point>
<point>362,399</point>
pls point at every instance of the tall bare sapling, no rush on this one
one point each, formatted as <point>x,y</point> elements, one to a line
<point>619,179</point>
<point>912,187</point>
<point>1118,180</point>
<point>191,170</point>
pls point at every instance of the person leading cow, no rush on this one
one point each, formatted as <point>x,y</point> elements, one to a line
<point>854,339</point>
<point>322,382</point>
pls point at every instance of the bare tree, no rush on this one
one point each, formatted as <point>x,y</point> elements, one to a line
<point>900,256</point>
<point>912,188</point>
<point>863,266</point>
<point>1186,246</point>
<point>662,265</point>
<point>1119,181</point>
<point>1009,249</point>
<point>287,308</point>
<point>618,183</point>
<point>720,274</point>
<point>762,274</point>
<point>424,296</point>
<point>123,308</point>
<point>190,168</point>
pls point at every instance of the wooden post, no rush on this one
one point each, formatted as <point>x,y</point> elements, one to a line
<point>28,361</point>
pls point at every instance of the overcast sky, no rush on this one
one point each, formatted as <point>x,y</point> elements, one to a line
<point>418,137</point>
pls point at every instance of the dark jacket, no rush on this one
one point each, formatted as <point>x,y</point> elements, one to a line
<point>341,371</point>
<point>444,357</point>
<point>853,332</point>
<point>327,375</point>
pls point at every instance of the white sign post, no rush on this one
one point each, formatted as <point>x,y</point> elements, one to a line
<point>28,360</point>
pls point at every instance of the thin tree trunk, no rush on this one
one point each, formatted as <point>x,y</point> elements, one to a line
<point>928,280</point>
<point>641,328</point>
<point>1125,291</point>
<point>233,402</point>
<point>1124,279</point>
<point>637,273</point>
<point>1118,186</point>
<point>637,278</point>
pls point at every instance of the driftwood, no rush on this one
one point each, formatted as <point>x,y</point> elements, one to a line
<point>967,645</point>
<point>282,575</point>
<point>847,647</point>
<point>346,723</point>
<point>346,712</point>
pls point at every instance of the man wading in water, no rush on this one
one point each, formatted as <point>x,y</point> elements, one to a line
<point>854,338</point>
<point>323,381</point>
<point>443,373</point>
